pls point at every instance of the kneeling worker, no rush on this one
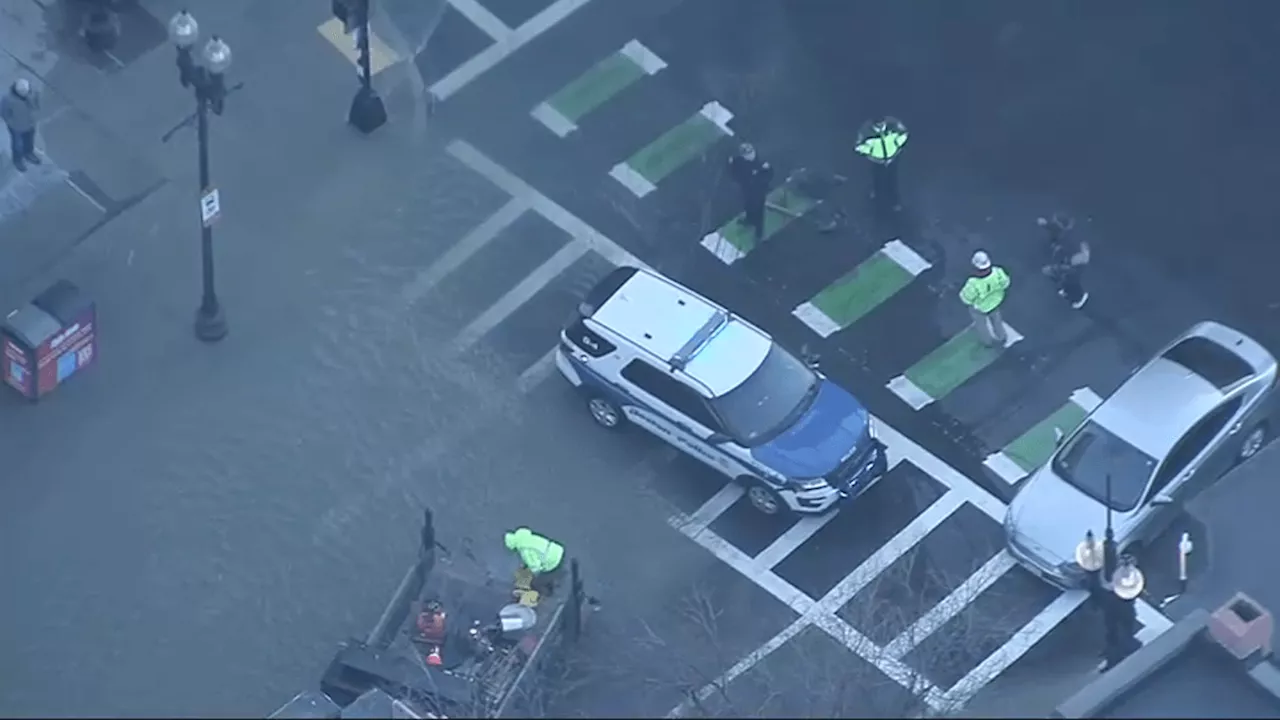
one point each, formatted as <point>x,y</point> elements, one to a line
<point>540,556</point>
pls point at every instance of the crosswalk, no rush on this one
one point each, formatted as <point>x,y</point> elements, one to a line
<point>800,563</point>
<point>947,504</point>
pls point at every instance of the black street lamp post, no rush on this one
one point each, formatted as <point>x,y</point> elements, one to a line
<point>1116,583</point>
<point>206,77</point>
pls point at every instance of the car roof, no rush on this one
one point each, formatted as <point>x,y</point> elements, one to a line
<point>1157,405</point>
<point>655,314</point>
<point>664,319</point>
<point>729,357</point>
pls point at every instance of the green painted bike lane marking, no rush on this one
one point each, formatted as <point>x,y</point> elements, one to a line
<point>735,238</point>
<point>873,281</point>
<point>561,112</point>
<point>1032,448</point>
<point>947,367</point>
<point>642,172</point>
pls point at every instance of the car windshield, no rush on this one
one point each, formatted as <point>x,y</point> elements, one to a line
<point>1093,454</point>
<point>769,400</point>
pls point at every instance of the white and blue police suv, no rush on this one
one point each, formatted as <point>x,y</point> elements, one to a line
<point>646,350</point>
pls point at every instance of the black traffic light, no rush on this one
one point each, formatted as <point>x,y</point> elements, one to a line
<point>351,13</point>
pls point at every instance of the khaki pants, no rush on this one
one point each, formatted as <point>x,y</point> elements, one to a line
<point>989,326</point>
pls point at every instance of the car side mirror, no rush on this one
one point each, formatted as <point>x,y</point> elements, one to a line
<point>1058,435</point>
<point>1160,500</point>
<point>716,438</point>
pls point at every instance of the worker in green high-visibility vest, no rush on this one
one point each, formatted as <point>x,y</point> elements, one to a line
<point>881,142</point>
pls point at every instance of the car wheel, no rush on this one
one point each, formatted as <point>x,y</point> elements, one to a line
<point>765,499</point>
<point>1253,442</point>
<point>605,412</point>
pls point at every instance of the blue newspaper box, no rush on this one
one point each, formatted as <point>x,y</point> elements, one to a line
<point>49,340</point>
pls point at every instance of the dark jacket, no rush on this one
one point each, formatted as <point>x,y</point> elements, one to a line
<point>19,113</point>
<point>753,176</point>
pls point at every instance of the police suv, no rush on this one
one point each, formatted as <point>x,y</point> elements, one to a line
<point>651,352</point>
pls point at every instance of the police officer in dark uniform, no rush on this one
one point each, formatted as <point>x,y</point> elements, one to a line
<point>753,177</point>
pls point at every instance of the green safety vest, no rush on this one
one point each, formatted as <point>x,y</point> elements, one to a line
<point>882,148</point>
<point>538,554</point>
<point>985,293</point>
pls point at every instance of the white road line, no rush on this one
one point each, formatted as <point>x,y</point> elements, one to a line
<point>742,666</point>
<point>1017,646</point>
<point>541,204</point>
<point>907,538</point>
<point>784,591</point>
<point>907,259</point>
<point>950,606</point>
<point>535,374</point>
<point>638,184</point>
<point>724,498</point>
<point>794,537</point>
<point>646,59</point>
<point>810,315</point>
<point>718,114</point>
<point>862,646</point>
<point>1004,467</point>
<point>911,394</point>
<point>904,448</point>
<point>522,293</point>
<point>1087,399</point>
<point>480,16</point>
<point>469,245</point>
<point>722,248</point>
<point>485,60</point>
<point>553,120</point>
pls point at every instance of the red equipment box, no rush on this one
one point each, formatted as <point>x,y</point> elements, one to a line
<point>49,340</point>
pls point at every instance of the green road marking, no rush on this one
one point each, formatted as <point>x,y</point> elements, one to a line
<point>845,301</point>
<point>1033,448</point>
<point>947,367</point>
<point>676,147</point>
<point>590,90</point>
<point>651,164</point>
<point>741,236</point>
<point>615,73</point>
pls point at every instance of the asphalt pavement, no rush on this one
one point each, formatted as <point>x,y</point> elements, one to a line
<point>200,525</point>
<point>193,528</point>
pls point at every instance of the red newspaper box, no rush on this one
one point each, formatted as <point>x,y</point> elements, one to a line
<point>48,340</point>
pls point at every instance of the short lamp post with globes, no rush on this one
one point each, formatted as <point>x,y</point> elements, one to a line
<point>206,78</point>
<point>1116,584</point>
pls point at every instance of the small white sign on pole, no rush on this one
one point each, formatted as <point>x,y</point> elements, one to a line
<point>210,207</point>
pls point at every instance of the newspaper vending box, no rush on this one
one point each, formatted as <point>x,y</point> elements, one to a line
<point>49,340</point>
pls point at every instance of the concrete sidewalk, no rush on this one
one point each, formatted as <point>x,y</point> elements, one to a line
<point>90,173</point>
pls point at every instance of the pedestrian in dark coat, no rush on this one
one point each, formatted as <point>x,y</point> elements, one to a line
<point>1067,259</point>
<point>19,108</point>
<point>753,177</point>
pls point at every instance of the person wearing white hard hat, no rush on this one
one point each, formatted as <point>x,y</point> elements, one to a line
<point>18,109</point>
<point>983,293</point>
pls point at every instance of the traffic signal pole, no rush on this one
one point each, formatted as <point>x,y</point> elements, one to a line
<point>368,113</point>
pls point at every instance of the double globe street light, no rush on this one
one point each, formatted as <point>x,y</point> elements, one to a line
<point>1116,583</point>
<point>206,78</point>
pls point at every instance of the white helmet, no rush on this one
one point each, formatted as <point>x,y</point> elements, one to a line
<point>981,261</point>
<point>21,87</point>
